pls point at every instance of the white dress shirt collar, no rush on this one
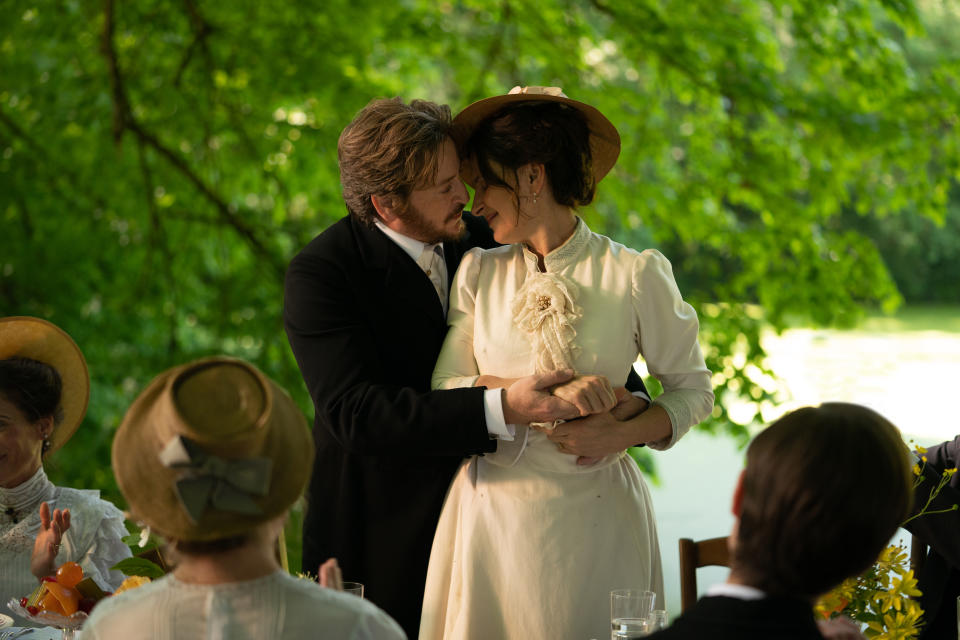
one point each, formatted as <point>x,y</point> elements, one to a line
<point>411,246</point>
<point>740,591</point>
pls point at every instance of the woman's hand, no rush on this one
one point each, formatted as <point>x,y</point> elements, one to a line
<point>47,544</point>
<point>589,394</point>
<point>330,576</point>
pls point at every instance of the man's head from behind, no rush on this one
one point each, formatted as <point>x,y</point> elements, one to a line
<point>398,163</point>
<point>824,490</point>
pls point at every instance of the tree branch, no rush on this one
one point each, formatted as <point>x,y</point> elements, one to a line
<point>201,29</point>
<point>158,238</point>
<point>124,120</point>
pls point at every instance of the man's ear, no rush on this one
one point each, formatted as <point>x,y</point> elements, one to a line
<point>738,496</point>
<point>386,207</point>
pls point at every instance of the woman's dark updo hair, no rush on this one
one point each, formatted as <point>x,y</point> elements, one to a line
<point>33,386</point>
<point>551,133</point>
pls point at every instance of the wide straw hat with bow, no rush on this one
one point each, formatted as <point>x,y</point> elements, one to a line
<point>604,138</point>
<point>37,339</point>
<point>210,450</point>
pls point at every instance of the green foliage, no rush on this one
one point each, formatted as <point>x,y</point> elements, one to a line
<point>160,162</point>
<point>138,567</point>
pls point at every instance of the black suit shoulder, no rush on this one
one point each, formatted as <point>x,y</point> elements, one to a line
<point>725,618</point>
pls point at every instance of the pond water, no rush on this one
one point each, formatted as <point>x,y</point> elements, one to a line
<point>909,376</point>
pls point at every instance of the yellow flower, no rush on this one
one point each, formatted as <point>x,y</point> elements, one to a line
<point>949,472</point>
<point>921,450</point>
<point>916,469</point>
<point>882,598</point>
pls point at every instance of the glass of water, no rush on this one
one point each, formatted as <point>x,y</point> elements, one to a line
<point>656,620</point>
<point>629,613</point>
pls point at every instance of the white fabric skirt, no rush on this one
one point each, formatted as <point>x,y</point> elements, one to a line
<point>533,550</point>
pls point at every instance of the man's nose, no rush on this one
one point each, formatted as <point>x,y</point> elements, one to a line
<point>462,194</point>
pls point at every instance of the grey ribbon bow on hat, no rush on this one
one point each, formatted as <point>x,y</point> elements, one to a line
<point>226,484</point>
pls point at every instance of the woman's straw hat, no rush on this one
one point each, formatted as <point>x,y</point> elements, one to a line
<point>37,339</point>
<point>211,449</point>
<point>604,138</point>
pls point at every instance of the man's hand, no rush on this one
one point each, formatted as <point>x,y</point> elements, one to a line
<point>599,435</point>
<point>529,400</point>
<point>589,394</point>
<point>628,405</point>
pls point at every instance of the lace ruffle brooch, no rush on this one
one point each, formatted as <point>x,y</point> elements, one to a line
<point>545,308</point>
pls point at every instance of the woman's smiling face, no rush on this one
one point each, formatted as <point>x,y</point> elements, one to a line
<point>21,443</point>
<point>499,204</point>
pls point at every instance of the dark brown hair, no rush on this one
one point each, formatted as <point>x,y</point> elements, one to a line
<point>549,133</point>
<point>390,149</point>
<point>34,387</point>
<point>824,490</point>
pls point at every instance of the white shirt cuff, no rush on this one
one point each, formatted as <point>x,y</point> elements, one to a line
<point>497,426</point>
<point>641,395</point>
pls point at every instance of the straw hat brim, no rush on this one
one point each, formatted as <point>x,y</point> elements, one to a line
<point>38,339</point>
<point>150,487</point>
<point>604,137</point>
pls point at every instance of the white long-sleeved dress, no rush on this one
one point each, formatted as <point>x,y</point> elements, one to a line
<point>94,539</point>
<point>529,544</point>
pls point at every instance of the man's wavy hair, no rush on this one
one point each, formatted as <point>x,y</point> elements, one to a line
<point>390,149</point>
<point>824,490</point>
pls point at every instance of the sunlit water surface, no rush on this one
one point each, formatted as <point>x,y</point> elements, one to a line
<point>911,377</point>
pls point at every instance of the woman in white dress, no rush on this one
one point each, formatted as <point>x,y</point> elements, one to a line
<point>530,543</point>
<point>211,455</point>
<point>44,387</point>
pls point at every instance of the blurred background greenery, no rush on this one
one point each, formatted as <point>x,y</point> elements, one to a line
<point>161,161</point>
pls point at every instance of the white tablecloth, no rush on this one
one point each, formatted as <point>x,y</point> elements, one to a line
<point>37,633</point>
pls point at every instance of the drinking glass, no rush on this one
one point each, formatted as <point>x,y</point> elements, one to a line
<point>356,588</point>
<point>656,620</point>
<point>629,610</point>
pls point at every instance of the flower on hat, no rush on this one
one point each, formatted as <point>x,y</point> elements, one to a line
<point>539,91</point>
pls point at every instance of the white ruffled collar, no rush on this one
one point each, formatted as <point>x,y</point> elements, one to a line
<point>564,255</point>
<point>27,496</point>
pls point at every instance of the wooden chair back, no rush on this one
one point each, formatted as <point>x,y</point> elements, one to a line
<point>693,555</point>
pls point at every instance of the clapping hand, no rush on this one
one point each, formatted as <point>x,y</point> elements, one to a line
<point>330,575</point>
<point>47,543</point>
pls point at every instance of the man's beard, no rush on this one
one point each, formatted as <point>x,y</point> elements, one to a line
<point>417,224</point>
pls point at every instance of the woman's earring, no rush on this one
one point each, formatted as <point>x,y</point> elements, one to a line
<point>535,197</point>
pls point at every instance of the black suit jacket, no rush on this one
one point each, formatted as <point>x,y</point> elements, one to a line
<point>724,618</point>
<point>366,327</point>
<point>939,580</point>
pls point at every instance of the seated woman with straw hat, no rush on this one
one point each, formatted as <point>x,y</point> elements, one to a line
<point>44,388</point>
<point>211,456</point>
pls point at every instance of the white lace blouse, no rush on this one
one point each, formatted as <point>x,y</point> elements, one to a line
<point>94,540</point>
<point>277,606</point>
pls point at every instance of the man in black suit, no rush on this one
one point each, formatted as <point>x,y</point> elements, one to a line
<point>939,527</point>
<point>823,490</point>
<point>364,310</point>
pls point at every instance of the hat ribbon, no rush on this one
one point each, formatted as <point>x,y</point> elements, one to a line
<point>539,91</point>
<point>225,484</point>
